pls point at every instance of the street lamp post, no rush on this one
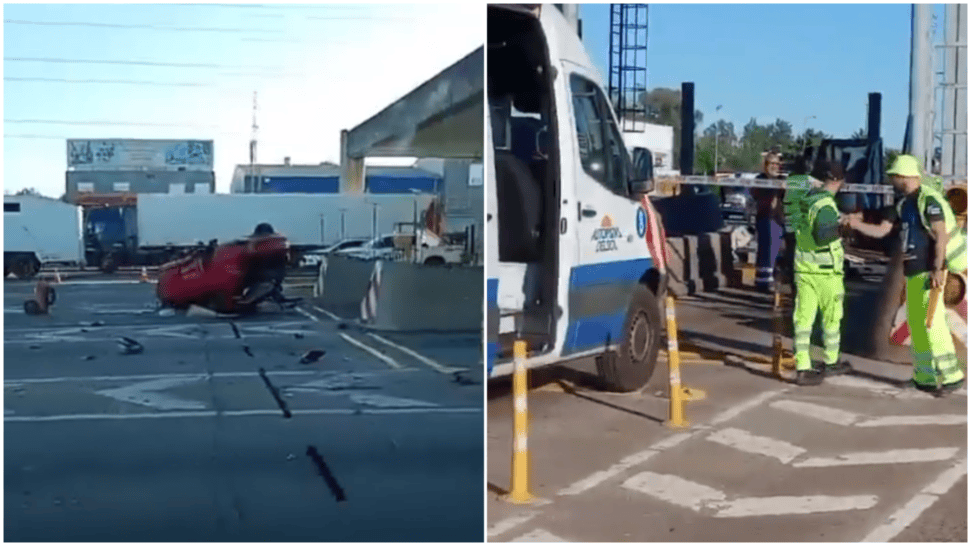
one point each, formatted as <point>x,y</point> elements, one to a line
<point>805,129</point>
<point>717,135</point>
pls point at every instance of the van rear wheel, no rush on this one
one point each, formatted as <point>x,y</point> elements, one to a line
<point>633,365</point>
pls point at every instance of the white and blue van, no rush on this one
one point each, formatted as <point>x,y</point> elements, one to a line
<point>575,248</point>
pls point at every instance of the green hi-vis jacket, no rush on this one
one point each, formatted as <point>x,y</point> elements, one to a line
<point>811,254</point>
<point>956,247</point>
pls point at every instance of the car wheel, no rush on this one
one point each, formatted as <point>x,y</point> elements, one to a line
<point>633,365</point>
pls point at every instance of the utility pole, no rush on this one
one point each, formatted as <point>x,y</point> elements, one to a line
<point>252,148</point>
<point>921,85</point>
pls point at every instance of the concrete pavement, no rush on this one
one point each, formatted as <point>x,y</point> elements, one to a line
<point>858,458</point>
<point>189,441</point>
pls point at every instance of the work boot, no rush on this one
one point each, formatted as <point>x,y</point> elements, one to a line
<point>839,368</point>
<point>809,378</point>
<point>948,389</point>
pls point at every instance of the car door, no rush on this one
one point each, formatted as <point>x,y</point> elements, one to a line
<point>611,257</point>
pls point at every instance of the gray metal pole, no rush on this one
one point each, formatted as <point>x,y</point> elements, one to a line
<point>921,83</point>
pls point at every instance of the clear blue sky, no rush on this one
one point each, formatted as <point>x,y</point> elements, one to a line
<point>769,61</point>
<point>318,69</point>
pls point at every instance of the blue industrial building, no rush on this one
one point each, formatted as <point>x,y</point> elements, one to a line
<point>325,178</point>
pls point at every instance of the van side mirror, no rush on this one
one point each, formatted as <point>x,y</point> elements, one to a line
<point>642,176</point>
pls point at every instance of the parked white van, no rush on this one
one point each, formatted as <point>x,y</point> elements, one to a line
<point>575,248</point>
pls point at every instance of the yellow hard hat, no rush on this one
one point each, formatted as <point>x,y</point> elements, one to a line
<point>905,165</point>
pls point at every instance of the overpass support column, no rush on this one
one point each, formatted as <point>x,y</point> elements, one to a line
<point>351,169</point>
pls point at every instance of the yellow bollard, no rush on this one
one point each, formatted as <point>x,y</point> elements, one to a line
<point>673,361</point>
<point>779,357</point>
<point>520,446</point>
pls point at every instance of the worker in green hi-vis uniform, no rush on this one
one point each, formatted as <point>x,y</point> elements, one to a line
<point>932,243</point>
<point>819,269</point>
<point>797,186</point>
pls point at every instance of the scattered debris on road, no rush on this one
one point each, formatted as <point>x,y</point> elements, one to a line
<point>128,346</point>
<point>93,324</point>
<point>312,356</point>
<point>89,357</point>
<point>324,471</point>
<point>248,351</point>
<point>298,336</point>
<point>457,377</point>
<point>291,457</point>
<point>166,312</point>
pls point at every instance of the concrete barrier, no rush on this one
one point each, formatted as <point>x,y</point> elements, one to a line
<point>416,297</point>
<point>699,263</point>
<point>344,282</point>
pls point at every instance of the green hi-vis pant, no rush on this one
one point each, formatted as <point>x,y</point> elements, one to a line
<point>934,356</point>
<point>813,292</point>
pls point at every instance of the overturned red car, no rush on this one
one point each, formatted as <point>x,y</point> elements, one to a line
<point>229,278</point>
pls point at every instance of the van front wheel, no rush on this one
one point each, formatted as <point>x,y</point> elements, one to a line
<point>634,364</point>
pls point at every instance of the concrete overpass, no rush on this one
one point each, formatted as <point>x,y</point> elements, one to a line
<point>442,118</point>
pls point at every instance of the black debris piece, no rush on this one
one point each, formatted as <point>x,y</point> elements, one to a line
<point>89,357</point>
<point>462,380</point>
<point>298,336</point>
<point>129,346</point>
<point>342,326</point>
<point>312,356</point>
<point>248,351</point>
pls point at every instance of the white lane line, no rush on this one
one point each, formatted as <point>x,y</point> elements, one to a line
<point>917,420</point>
<point>510,523</point>
<point>233,413</point>
<point>386,359</point>
<point>877,387</point>
<point>947,479</point>
<point>734,411</point>
<point>332,316</point>
<point>307,314</point>
<point>759,445</point>
<point>672,441</point>
<point>630,461</point>
<point>602,475</point>
<point>894,456</point>
<point>815,411</point>
<point>538,535</point>
<point>431,363</point>
<point>674,489</point>
<point>901,519</point>
<point>146,377</point>
<point>780,506</point>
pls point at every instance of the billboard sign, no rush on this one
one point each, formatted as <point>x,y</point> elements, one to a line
<point>129,154</point>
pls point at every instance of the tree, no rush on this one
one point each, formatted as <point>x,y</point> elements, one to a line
<point>860,134</point>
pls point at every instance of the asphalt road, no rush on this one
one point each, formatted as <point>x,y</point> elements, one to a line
<point>186,441</point>
<point>857,458</point>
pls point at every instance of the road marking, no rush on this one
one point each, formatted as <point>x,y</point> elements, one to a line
<point>918,420</point>
<point>815,411</point>
<point>388,360</point>
<point>538,535</point>
<point>894,456</point>
<point>234,413</point>
<point>759,445</point>
<point>882,388</point>
<point>602,475</point>
<point>637,458</point>
<point>738,409</point>
<point>698,497</point>
<point>510,523</point>
<point>673,441</point>
<point>328,313</point>
<point>947,479</point>
<point>383,401</point>
<point>145,394</point>
<point>782,506</point>
<point>674,489</point>
<point>307,314</point>
<point>901,519</point>
<point>431,363</point>
<point>186,376</point>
